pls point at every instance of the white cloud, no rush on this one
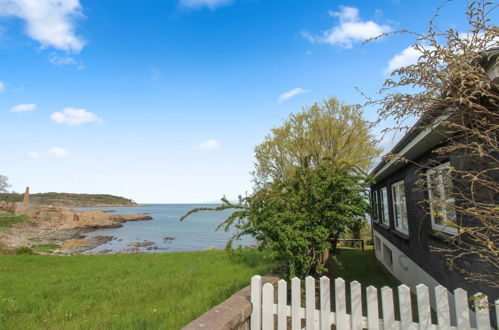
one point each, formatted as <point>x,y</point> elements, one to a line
<point>289,94</point>
<point>411,55</point>
<point>74,117</point>
<point>58,152</point>
<point>209,145</point>
<point>61,60</point>
<point>65,60</point>
<point>212,4</point>
<point>33,154</point>
<point>408,56</point>
<point>2,86</point>
<point>23,107</point>
<point>351,29</point>
<point>50,22</point>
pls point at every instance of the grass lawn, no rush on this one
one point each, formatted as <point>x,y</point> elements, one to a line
<point>361,266</point>
<point>8,220</point>
<point>153,291</point>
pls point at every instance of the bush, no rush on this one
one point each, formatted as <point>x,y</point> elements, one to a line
<point>46,248</point>
<point>301,218</point>
<point>24,250</point>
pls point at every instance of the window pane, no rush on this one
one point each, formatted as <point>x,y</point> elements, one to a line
<point>403,210</point>
<point>374,206</point>
<point>447,183</point>
<point>440,193</point>
<point>384,206</point>
<point>399,207</point>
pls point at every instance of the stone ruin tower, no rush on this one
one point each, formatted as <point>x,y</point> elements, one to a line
<point>20,208</point>
<point>26,198</point>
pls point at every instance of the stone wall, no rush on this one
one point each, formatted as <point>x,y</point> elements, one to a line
<point>233,314</point>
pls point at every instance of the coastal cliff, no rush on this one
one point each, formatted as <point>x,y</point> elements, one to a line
<point>58,224</point>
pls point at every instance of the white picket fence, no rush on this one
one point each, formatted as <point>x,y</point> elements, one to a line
<point>265,308</point>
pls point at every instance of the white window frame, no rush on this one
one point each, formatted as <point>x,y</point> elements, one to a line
<point>434,225</point>
<point>384,214</point>
<point>396,202</point>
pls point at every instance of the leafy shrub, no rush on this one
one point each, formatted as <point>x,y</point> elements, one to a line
<point>300,218</point>
<point>24,250</point>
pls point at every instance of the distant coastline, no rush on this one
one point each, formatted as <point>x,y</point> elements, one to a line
<point>71,199</point>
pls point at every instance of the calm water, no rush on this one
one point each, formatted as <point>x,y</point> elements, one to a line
<point>197,232</point>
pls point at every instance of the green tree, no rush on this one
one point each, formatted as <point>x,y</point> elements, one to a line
<point>331,130</point>
<point>300,217</point>
<point>309,186</point>
<point>4,183</point>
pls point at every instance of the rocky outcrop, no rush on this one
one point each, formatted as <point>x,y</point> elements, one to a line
<point>60,217</point>
<point>129,217</point>
<point>6,207</point>
<point>85,244</point>
<point>60,224</point>
<point>141,244</point>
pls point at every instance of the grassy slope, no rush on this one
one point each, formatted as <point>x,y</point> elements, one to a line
<point>156,291</point>
<point>8,220</point>
<point>68,199</point>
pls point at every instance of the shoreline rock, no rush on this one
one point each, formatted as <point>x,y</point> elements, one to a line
<point>141,244</point>
<point>129,217</point>
<point>82,245</point>
<point>57,224</point>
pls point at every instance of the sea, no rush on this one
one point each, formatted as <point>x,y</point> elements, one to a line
<point>195,233</point>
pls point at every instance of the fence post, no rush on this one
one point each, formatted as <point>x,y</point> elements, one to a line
<point>405,306</point>
<point>268,307</point>
<point>423,299</point>
<point>387,307</point>
<point>482,311</point>
<point>462,311</point>
<point>356,304</point>
<point>372,308</point>
<point>497,312</point>
<point>295,304</point>
<point>256,300</point>
<point>443,312</point>
<point>341,304</point>
<point>282,294</point>
<point>325,304</point>
<point>309,303</point>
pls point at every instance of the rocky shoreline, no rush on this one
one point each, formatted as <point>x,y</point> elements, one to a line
<point>60,225</point>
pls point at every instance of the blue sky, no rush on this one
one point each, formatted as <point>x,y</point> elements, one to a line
<point>164,100</point>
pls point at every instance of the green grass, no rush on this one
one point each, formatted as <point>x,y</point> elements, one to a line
<point>6,221</point>
<point>362,266</point>
<point>153,291</point>
<point>47,248</point>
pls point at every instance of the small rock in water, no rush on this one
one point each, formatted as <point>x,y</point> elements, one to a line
<point>167,238</point>
<point>141,244</point>
<point>104,251</point>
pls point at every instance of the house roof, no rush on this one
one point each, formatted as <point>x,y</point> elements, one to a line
<point>422,138</point>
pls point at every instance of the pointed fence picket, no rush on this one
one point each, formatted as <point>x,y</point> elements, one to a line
<point>270,312</point>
